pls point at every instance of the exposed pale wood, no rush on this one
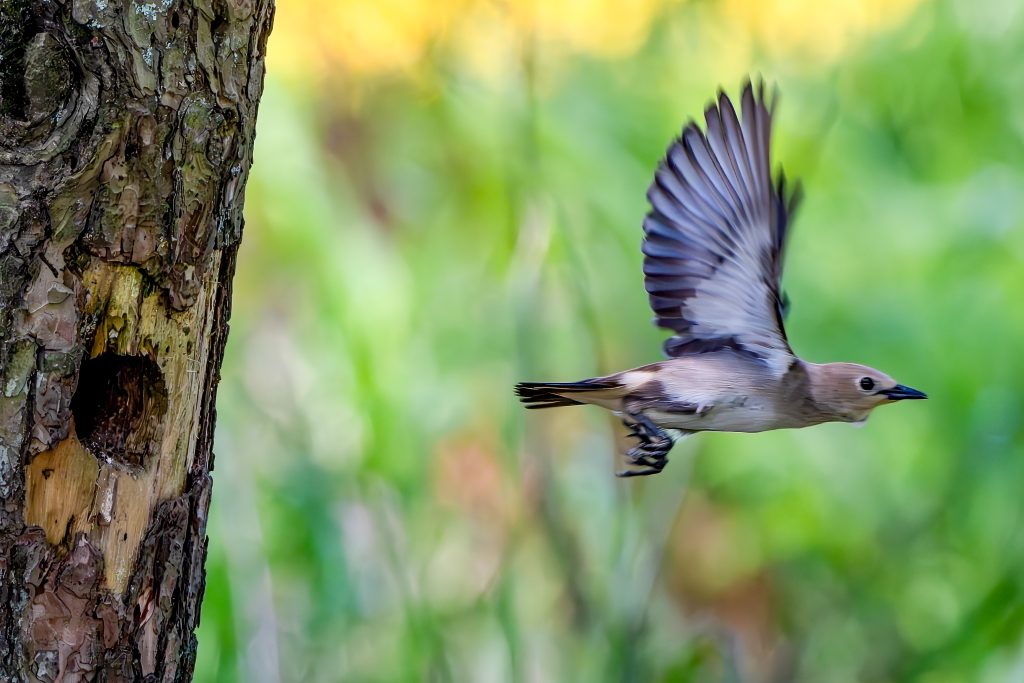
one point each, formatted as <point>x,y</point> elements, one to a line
<point>60,488</point>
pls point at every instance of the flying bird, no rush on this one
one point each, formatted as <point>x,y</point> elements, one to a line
<point>713,247</point>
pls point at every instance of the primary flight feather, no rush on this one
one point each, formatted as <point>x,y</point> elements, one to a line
<point>713,247</point>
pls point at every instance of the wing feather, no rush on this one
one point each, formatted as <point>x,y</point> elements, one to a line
<point>715,237</point>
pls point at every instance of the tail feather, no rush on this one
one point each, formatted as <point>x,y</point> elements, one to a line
<point>554,394</point>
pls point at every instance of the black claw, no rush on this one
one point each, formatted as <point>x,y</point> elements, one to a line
<point>625,474</point>
<point>634,429</point>
<point>651,468</point>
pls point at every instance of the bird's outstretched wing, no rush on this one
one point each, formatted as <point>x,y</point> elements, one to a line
<point>714,239</point>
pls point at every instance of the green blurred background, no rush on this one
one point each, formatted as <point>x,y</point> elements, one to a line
<point>447,198</point>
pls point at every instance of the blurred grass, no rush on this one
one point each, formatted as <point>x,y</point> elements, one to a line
<point>447,198</point>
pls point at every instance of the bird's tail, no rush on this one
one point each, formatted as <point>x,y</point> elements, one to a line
<point>556,394</point>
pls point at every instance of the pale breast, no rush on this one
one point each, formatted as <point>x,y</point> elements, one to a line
<point>749,414</point>
<point>732,393</point>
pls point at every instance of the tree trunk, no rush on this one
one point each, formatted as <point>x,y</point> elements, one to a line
<point>126,132</point>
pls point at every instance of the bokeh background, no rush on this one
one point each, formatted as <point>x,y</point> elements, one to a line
<point>447,198</point>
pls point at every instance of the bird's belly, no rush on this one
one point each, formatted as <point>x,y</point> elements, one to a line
<point>748,417</point>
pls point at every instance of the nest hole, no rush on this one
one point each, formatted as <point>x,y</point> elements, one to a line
<point>119,406</point>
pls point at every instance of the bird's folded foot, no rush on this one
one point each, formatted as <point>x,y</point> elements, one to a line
<point>650,455</point>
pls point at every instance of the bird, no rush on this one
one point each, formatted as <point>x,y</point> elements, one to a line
<point>713,247</point>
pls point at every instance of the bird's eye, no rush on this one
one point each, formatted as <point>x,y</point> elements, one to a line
<point>867,384</point>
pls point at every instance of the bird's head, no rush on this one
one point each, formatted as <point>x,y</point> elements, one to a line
<point>852,391</point>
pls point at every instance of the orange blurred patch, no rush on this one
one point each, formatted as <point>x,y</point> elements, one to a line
<point>711,570</point>
<point>467,476</point>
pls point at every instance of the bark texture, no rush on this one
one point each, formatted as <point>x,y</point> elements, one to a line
<point>126,132</point>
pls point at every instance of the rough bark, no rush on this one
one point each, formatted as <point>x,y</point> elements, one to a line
<point>126,131</point>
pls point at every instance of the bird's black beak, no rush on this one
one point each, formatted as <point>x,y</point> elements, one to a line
<point>901,392</point>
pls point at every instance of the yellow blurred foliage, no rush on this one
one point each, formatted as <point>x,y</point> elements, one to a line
<point>822,29</point>
<point>359,36</point>
<point>370,37</point>
<point>599,27</point>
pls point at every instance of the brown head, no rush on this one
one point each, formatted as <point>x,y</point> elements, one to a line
<point>849,392</point>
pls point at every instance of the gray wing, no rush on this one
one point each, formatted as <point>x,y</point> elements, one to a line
<point>715,236</point>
